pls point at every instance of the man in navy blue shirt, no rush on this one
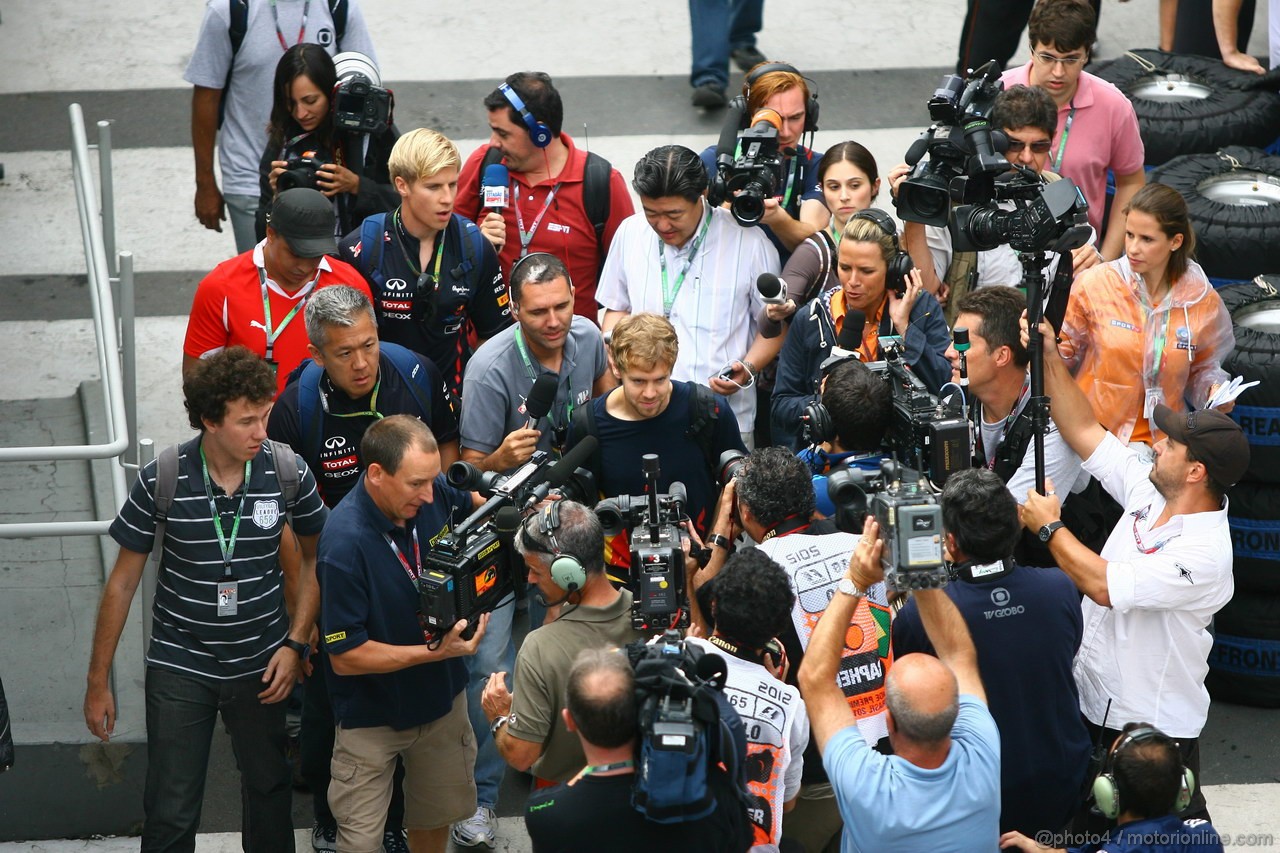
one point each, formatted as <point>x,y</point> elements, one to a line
<point>393,692</point>
<point>1026,626</point>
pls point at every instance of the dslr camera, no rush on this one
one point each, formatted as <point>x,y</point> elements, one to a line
<point>748,167</point>
<point>301,172</point>
<point>652,521</point>
<point>360,104</point>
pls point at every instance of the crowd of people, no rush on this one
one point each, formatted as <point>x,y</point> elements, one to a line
<point>409,308</point>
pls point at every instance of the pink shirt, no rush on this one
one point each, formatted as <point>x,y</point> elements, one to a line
<point>1104,135</point>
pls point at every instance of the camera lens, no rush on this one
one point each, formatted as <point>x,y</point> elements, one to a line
<point>748,207</point>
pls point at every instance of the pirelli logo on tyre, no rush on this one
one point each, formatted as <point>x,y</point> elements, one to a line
<point>335,637</point>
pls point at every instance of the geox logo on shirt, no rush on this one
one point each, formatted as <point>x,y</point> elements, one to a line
<point>1121,324</point>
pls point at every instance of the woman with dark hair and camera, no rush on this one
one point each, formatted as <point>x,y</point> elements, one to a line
<point>850,182</point>
<point>1148,327</point>
<point>880,294</point>
<point>306,148</point>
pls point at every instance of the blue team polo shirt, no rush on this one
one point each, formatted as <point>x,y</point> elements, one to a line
<point>366,594</point>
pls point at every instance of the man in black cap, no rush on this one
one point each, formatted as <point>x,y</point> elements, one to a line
<point>256,299</point>
<point>1162,574</point>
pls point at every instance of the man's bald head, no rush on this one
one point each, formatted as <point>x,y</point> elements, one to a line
<point>923,697</point>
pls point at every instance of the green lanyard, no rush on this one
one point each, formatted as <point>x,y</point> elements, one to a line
<point>435,272</point>
<point>1062,140</point>
<point>669,293</point>
<point>533,376</point>
<point>227,548</point>
<point>791,176</point>
<point>274,334</point>
<point>836,235</point>
<point>373,404</point>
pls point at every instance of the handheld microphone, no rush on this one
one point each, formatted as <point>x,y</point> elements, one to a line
<point>495,186</point>
<point>772,289</point>
<point>560,472</point>
<point>850,337</point>
<point>506,523</point>
<point>960,340</point>
<point>541,397</point>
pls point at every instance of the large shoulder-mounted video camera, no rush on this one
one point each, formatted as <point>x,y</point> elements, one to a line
<point>748,167</point>
<point>467,572</point>
<point>360,104</point>
<point>657,576</point>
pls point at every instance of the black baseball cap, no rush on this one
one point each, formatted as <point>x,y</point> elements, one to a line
<point>1212,437</point>
<point>305,219</point>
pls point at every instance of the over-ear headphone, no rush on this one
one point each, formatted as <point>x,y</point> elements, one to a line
<point>1106,793</point>
<point>739,102</point>
<point>815,424</point>
<point>567,571</point>
<point>538,132</point>
<point>900,265</point>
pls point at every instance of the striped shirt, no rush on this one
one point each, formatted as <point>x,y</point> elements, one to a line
<point>714,312</point>
<point>188,635</point>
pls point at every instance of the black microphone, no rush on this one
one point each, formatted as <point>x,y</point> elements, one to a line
<point>771,288</point>
<point>541,396</point>
<point>506,523</point>
<point>679,497</point>
<point>495,187</point>
<point>850,337</point>
<point>560,472</point>
<point>712,669</point>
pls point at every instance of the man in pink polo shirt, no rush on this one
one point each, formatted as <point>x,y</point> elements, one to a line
<point>1097,127</point>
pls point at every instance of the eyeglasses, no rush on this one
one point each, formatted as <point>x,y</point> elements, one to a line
<point>1040,146</point>
<point>1067,61</point>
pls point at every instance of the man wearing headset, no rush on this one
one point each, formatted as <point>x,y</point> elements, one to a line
<point>563,548</point>
<point>1143,785</point>
<point>798,209</point>
<point>552,182</point>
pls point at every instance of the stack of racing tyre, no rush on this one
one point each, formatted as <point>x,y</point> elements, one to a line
<point>1244,666</point>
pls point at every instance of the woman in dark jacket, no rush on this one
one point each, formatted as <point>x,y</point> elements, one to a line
<point>867,251</point>
<point>354,173</point>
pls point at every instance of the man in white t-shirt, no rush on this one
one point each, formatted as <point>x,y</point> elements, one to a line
<point>1163,572</point>
<point>233,92</point>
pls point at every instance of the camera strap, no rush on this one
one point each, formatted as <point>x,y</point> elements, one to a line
<point>669,293</point>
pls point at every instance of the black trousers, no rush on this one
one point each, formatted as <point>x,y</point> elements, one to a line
<point>993,30</point>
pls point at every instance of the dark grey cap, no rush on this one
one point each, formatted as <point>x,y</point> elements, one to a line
<point>304,218</point>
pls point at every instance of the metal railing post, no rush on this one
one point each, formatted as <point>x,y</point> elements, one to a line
<point>128,353</point>
<point>108,196</point>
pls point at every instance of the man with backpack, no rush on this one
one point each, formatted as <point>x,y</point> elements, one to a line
<point>685,423</point>
<point>224,638</point>
<point>558,198</point>
<point>231,69</point>
<point>352,383</point>
<point>430,270</point>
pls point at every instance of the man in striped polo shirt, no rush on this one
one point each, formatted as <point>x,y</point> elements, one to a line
<point>223,639</point>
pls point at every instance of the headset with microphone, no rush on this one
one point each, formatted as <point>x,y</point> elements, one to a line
<point>567,571</point>
<point>1106,792</point>
<point>900,265</point>
<point>538,132</point>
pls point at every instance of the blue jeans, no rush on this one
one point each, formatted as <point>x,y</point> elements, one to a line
<point>496,653</point>
<point>181,713</point>
<point>718,27</point>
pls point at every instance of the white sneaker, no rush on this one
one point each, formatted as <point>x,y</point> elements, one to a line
<point>480,828</point>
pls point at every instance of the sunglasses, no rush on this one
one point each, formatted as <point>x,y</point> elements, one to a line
<point>424,299</point>
<point>1040,146</point>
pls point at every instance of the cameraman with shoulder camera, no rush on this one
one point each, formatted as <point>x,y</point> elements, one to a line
<point>776,93</point>
<point>1026,626</point>
<point>331,129</point>
<point>770,499</point>
<point>593,810</point>
<point>1027,116</point>
<point>940,790</point>
<point>563,549</point>
<point>395,690</point>
<point>998,371</point>
<point>687,425</point>
<point>685,259</point>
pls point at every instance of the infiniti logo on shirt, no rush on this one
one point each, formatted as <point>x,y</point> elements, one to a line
<point>335,442</point>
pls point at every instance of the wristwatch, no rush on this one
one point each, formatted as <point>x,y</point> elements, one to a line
<point>497,724</point>
<point>300,648</point>
<point>720,540</point>
<point>846,586</point>
<point>1046,532</point>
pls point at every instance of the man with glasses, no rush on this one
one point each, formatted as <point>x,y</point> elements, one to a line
<point>431,271</point>
<point>1151,593</point>
<point>1027,116</point>
<point>1097,129</point>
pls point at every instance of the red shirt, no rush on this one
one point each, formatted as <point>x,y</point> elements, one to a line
<point>227,311</point>
<point>565,231</point>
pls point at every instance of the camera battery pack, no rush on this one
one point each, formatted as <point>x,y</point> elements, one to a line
<point>435,588</point>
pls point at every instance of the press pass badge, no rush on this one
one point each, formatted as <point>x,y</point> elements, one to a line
<point>228,597</point>
<point>1154,398</point>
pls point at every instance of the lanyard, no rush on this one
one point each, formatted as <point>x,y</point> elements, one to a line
<point>593,769</point>
<point>284,149</point>
<point>533,375</point>
<point>301,30</point>
<point>526,237</point>
<point>1062,140</point>
<point>417,555</point>
<point>1141,515</point>
<point>227,548</point>
<point>373,404</point>
<point>402,232</point>
<point>1009,419</point>
<point>274,334</point>
<point>791,181</point>
<point>669,293</point>
<point>835,235</point>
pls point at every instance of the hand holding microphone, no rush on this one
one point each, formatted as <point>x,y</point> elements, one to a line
<point>495,194</point>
